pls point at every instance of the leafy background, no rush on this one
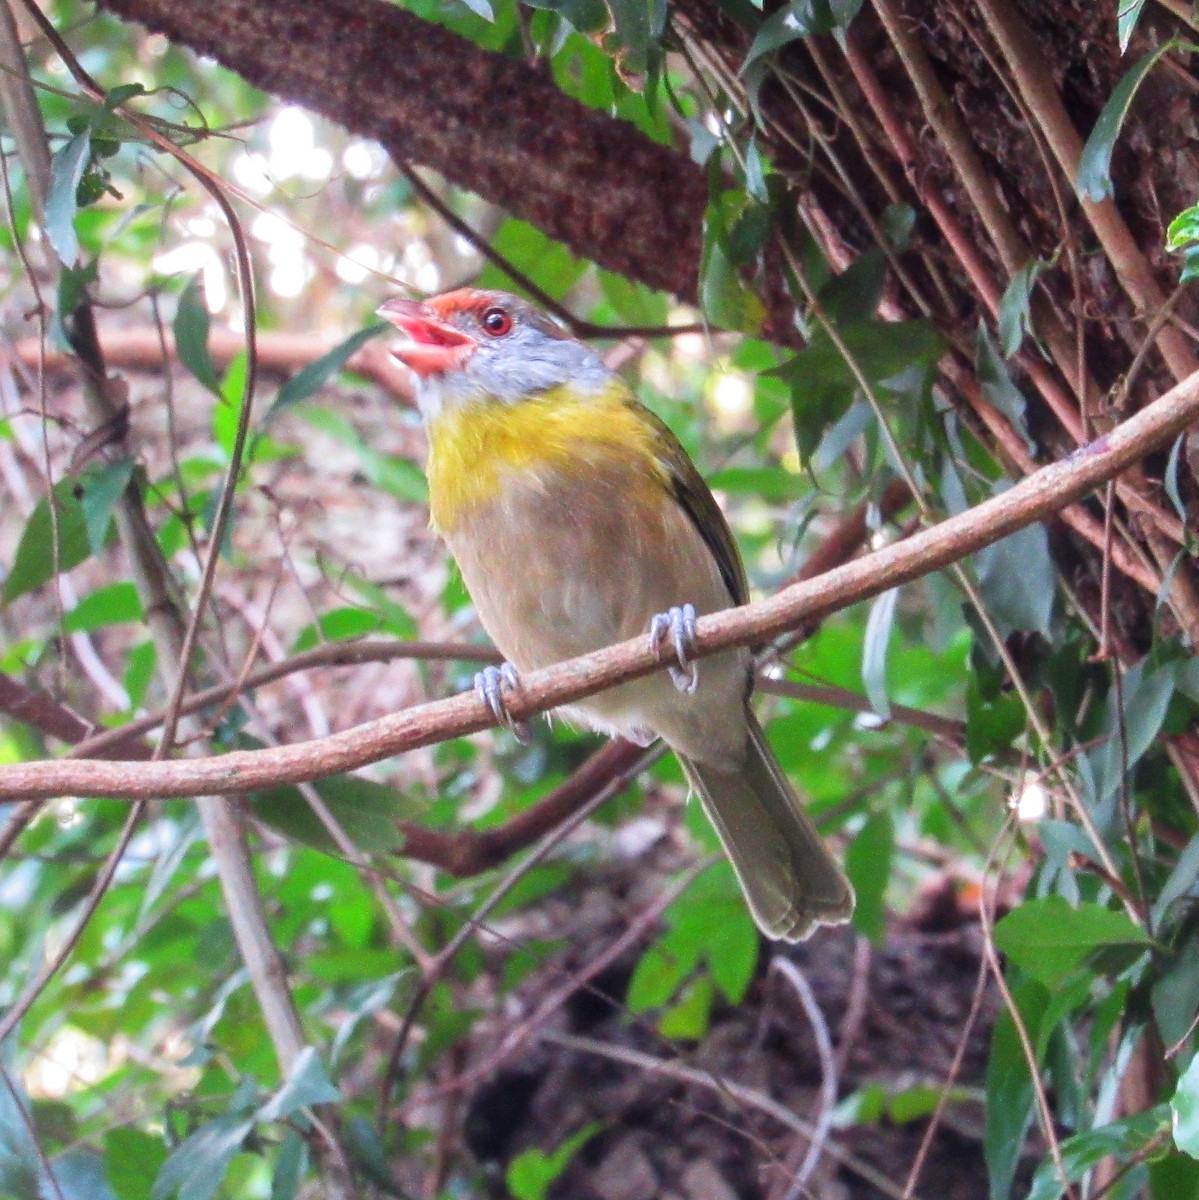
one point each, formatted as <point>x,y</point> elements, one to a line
<point>1003,754</point>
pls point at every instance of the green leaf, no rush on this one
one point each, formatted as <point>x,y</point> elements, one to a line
<point>397,476</point>
<point>868,865</point>
<point>897,222</point>
<point>101,491</point>
<point>132,1158</point>
<point>197,1167</point>
<point>997,384</point>
<point>315,375</point>
<point>1010,1090</point>
<point>723,296</point>
<point>531,1173</point>
<point>1128,13</point>
<point>368,813</point>
<point>1094,167</point>
<point>66,170</point>
<point>660,973</point>
<point>290,1167</point>
<point>192,323</point>
<point>1015,308</point>
<point>874,651</point>
<point>1174,1176</point>
<point>1182,237</point>
<point>340,625</point>
<point>556,269</point>
<point>1184,1109</point>
<point>798,19</point>
<point>1121,1140</point>
<point>894,356</point>
<point>992,724</point>
<point>587,16</point>
<point>639,27</point>
<point>481,8</point>
<point>854,295</point>
<point>1147,696</point>
<point>115,604</point>
<point>1017,580</point>
<point>307,1085</point>
<point>35,562</point>
<point>79,1175</point>
<point>1048,939</point>
<point>368,1154</point>
<point>690,1016</point>
<point>1175,992</point>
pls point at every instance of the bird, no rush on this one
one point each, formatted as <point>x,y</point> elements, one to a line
<point>577,520</point>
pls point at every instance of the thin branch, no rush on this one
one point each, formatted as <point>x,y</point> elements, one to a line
<point>818,1140</point>
<point>1032,499</point>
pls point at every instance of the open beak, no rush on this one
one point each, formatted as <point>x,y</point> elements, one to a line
<point>435,347</point>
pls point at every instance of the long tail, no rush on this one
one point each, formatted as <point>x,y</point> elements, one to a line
<point>791,881</point>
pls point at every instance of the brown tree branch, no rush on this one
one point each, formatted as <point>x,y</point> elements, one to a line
<point>279,353</point>
<point>1030,500</point>
<point>485,121</point>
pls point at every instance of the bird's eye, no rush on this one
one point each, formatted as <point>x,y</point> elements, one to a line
<point>497,322</point>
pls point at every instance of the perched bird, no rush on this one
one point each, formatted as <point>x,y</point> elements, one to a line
<point>578,521</point>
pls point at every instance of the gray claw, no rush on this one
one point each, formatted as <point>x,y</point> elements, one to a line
<point>678,624</point>
<point>490,684</point>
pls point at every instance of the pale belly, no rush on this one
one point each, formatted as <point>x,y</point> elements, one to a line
<point>559,568</point>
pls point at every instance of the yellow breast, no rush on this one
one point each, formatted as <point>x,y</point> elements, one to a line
<point>475,448</point>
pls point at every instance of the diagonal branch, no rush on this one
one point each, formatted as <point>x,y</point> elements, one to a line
<point>931,549</point>
<point>485,121</point>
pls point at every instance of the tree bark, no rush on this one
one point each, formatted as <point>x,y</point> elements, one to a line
<point>485,121</point>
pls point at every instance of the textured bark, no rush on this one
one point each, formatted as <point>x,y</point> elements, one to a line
<point>487,122</point>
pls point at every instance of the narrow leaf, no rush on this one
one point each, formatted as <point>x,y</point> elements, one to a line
<point>868,864</point>
<point>874,651</point>
<point>195,1170</point>
<point>101,491</point>
<point>1094,166</point>
<point>1128,12</point>
<point>35,562</point>
<point>66,170</point>
<point>1185,1110</point>
<point>1015,306</point>
<point>313,377</point>
<point>192,323</point>
<point>997,384</point>
<point>307,1084</point>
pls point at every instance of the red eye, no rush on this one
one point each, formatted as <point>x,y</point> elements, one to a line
<point>496,322</point>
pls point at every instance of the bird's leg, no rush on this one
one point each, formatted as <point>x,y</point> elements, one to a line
<point>490,684</point>
<point>678,624</point>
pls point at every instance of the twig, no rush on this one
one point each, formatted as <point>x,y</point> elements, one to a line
<point>1032,499</point>
<point>959,1055</point>
<point>818,1139</point>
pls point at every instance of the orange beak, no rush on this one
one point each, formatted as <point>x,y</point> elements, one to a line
<point>435,347</point>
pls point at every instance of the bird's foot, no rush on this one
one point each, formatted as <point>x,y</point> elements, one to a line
<point>678,625</point>
<point>490,685</point>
